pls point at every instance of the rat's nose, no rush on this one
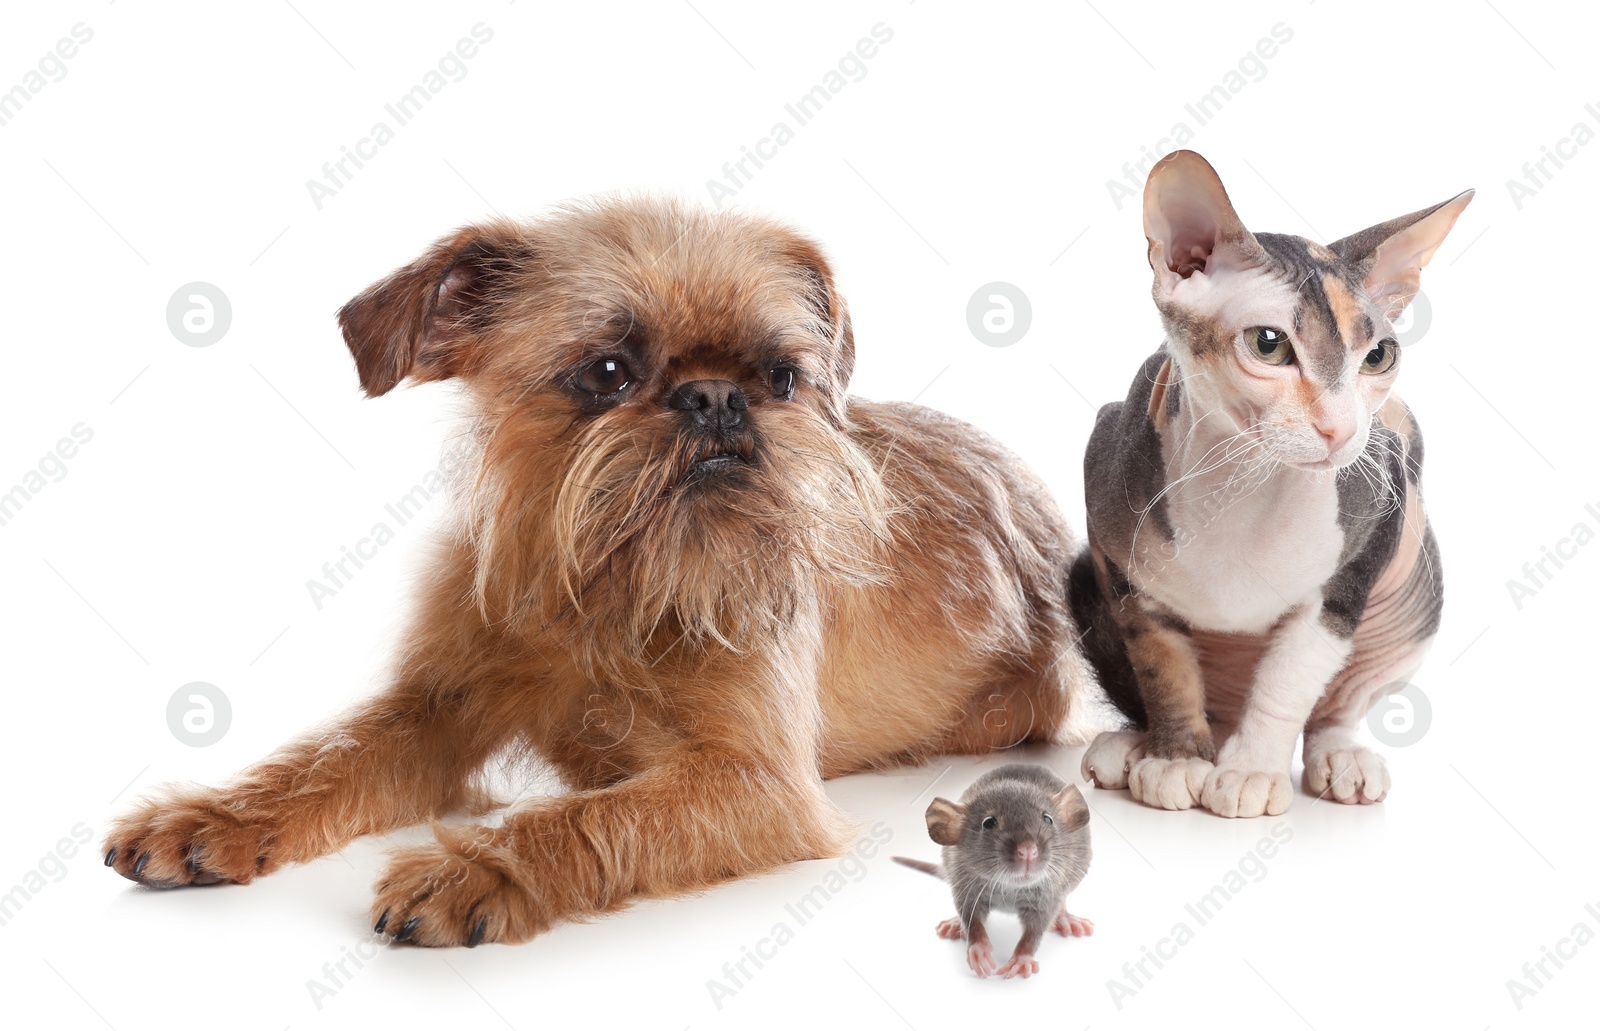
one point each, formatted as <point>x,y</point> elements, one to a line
<point>1027,854</point>
<point>714,405</point>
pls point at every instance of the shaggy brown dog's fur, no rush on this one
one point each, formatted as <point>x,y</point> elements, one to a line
<point>695,603</point>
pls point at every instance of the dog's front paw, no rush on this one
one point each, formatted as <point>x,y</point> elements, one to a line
<point>1238,791</point>
<point>190,835</point>
<point>467,888</point>
<point>1354,775</point>
<point>1168,783</point>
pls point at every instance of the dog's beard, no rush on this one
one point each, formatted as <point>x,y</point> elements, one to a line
<point>621,534</point>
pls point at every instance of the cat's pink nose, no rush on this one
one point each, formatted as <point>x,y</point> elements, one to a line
<point>1335,436</point>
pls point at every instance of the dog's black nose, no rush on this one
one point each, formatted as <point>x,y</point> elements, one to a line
<point>715,405</point>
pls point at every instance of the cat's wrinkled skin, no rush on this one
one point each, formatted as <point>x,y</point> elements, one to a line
<point>1259,561</point>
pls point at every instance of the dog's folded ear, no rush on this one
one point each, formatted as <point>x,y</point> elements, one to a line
<point>832,313</point>
<point>421,321</point>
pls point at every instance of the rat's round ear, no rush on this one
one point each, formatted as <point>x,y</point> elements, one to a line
<point>944,821</point>
<point>1072,808</point>
<point>421,319</point>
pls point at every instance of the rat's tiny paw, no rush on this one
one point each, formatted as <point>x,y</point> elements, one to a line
<point>1107,760</point>
<point>1168,783</point>
<point>1019,965</point>
<point>465,889</point>
<point>980,957</point>
<point>1354,775</point>
<point>1074,926</point>
<point>189,836</point>
<point>1241,792</point>
<point>951,929</point>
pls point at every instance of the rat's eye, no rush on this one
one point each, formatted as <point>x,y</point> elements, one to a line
<point>1381,358</point>
<point>990,823</point>
<point>1048,818</point>
<point>1270,345</point>
<point>606,376</point>
<point>782,380</point>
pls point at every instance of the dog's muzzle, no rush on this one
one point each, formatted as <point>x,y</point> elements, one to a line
<point>714,406</point>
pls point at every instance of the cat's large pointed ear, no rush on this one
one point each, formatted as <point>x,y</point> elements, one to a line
<point>422,319</point>
<point>1391,254</point>
<point>1190,223</point>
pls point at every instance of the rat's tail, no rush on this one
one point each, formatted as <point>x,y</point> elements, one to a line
<point>917,864</point>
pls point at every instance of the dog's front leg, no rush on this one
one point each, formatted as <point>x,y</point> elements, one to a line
<point>1251,777</point>
<point>403,757</point>
<point>738,792</point>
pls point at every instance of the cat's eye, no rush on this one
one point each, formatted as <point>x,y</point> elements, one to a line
<point>990,823</point>
<point>781,379</point>
<point>1270,345</point>
<point>1381,358</point>
<point>606,376</point>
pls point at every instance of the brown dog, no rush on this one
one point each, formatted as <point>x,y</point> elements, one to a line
<point>690,573</point>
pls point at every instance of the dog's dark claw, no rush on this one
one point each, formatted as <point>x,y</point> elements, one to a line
<point>476,937</point>
<point>383,921</point>
<point>405,931</point>
<point>139,864</point>
<point>111,857</point>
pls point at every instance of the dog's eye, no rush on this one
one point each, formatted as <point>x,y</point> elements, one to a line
<point>606,376</point>
<point>782,380</point>
<point>990,823</point>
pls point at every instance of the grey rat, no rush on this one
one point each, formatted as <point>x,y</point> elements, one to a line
<point>1018,841</point>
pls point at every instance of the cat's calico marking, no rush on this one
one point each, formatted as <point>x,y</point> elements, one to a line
<point>1259,562</point>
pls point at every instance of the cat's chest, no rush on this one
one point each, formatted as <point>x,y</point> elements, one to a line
<point>1237,563</point>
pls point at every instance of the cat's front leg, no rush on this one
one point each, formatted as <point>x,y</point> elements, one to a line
<point>1252,774</point>
<point>1169,768</point>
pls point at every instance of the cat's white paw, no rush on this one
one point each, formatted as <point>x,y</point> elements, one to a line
<point>1355,775</point>
<point>1168,783</point>
<point>1237,791</point>
<point>1107,760</point>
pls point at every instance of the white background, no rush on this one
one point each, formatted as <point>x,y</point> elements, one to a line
<point>977,147</point>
